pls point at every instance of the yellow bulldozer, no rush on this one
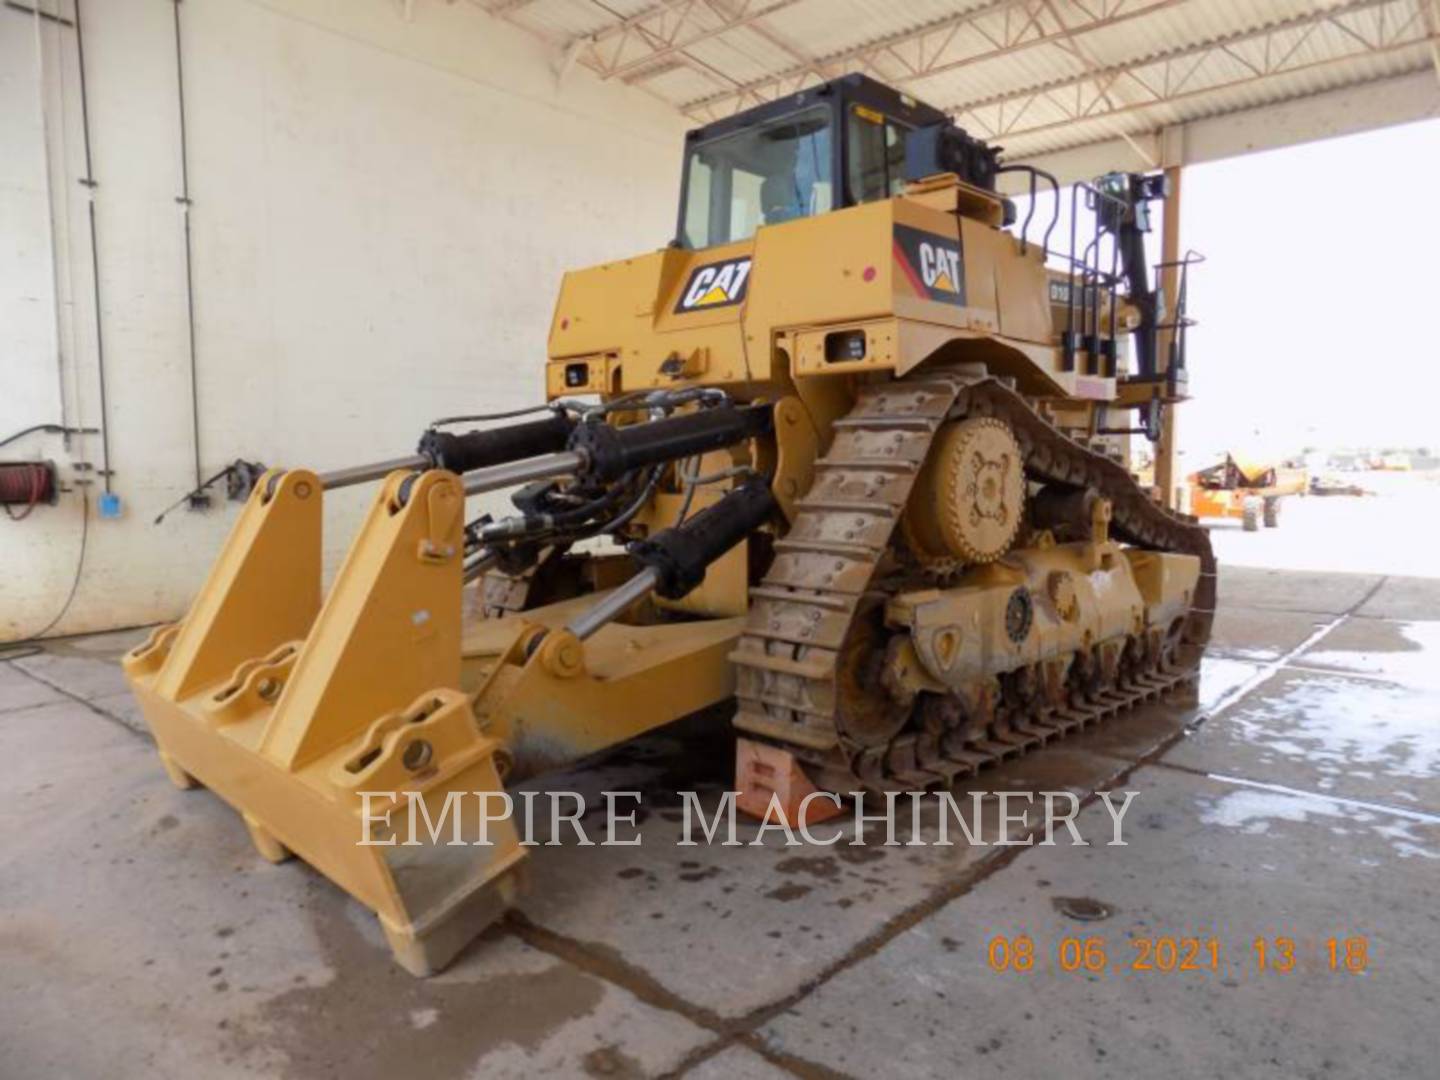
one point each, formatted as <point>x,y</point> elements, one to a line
<point>835,457</point>
<point>1247,488</point>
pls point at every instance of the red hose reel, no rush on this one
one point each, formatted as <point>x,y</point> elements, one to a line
<point>27,484</point>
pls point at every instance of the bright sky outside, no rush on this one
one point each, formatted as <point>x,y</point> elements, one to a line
<point>1317,302</point>
<point>1318,299</point>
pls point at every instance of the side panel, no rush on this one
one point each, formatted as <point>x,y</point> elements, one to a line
<point>826,269</point>
<point>711,316</point>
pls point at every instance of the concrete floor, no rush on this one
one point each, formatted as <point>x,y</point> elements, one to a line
<point>1299,797</point>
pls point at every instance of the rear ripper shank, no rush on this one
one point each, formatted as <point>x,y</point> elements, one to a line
<point>843,456</point>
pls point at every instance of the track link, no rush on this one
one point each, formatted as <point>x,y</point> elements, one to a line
<point>789,660</point>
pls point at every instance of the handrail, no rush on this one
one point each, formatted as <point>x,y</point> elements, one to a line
<point>1036,174</point>
<point>1085,265</point>
<point>1181,322</point>
<point>1092,281</point>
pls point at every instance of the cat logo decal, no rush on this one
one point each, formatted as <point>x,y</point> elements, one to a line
<point>715,285</point>
<point>931,263</point>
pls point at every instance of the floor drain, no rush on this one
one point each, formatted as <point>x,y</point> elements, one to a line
<point>1082,908</point>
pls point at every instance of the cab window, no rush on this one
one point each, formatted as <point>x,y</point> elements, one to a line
<point>766,175</point>
<point>877,155</point>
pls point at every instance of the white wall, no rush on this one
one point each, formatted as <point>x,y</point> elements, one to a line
<point>381,213</point>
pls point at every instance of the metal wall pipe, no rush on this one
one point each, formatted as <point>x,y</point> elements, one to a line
<point>183,199</point>
<point>89,183</point>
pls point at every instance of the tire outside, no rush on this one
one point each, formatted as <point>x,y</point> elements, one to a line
<point>1251,510</point>
<point>1272,512</point>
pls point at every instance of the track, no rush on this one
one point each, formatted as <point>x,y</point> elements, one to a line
<point>797,660</point>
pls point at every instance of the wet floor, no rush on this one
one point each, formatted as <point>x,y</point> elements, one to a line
<point>1271,912</point>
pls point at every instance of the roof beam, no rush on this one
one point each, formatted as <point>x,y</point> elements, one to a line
<point>651,42</point>
<point>1346,110</point>
<point>1077,50</point>
<point>1274,50</point>
<point>505,8</point>
<point>996,29</point>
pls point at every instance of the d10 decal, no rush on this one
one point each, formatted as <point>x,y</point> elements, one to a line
<point>932,264</point>
<point>715,285</point>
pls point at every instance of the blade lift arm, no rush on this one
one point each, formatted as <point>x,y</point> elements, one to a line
<point>336,723</point>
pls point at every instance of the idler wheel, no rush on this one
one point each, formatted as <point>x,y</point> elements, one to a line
<point>969,499</point>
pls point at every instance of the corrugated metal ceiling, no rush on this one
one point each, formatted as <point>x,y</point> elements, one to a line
<point>1034,75</point>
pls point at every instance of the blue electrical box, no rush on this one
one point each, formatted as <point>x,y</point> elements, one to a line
<point>109,505</point>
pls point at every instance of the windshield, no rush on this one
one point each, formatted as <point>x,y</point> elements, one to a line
<point>773,172</point>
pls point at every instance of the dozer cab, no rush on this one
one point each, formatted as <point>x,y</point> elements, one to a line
<point>836,456</point>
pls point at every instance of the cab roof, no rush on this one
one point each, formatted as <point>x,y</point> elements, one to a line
<point>849,89</point>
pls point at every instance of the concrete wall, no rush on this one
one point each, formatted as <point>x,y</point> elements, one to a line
<point>381,213</point>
